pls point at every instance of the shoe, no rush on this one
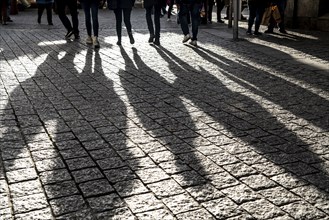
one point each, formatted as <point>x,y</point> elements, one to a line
<point>226,18</point>
<point>268,32</point>
<point>283,31</point>
<point>89,40</point>
<point>193,43</point>
<point>119,43</point>
<point>50,23</point>
<point>9,19</point>
<point>157,42</point>
<point>209,22</point>
<point>220,21</point>
<point>131,38</point>
<point>243,18</point>
<point>151,39</point>
<point>168,19</point>
<point>256,33</point>
<point>186,38</point>
<point>95,42</point>
<point>76,36</point>
<point>69,34</point>
<point>39,20</point>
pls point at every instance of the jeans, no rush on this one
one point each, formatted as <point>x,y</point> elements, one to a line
<point>49,8</point>
<point>72,5</point>
<point>194,11</point>
<point>220,5</point>
<point>91,6</point>
<point>126,18</point>
<point>255,12</point>
<point>157,13</point>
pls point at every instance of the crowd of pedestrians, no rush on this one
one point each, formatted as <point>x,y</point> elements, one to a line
<point>188,12</point>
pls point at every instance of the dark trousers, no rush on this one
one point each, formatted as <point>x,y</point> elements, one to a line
<point>3,11</point>
<point>49,8</point>
<point>157,13</point>
<point>256,11</point>
<point>220,5</point>
<point>72,5</point>
<point>91,13</point>
<point>282,7</point>
<point>194,11</point>
<point>126,18</point>
<point>171,6</point>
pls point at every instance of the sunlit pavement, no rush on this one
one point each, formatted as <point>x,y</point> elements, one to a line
<point>226,130</point>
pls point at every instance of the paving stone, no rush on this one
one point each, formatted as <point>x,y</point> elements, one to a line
<point>289,180</point>
<point>141,163</point>
<point>14,153</point>
<point>189,178</point>
<point>38,214</point>
<point>11,165</point>
<point>204,193</point>
<point>300,169</point>
<point>239,170</point>
<point>116,214</point>
<point>25,188</point>
<point>21,175</point>
<point>119,174</point>
<point>152,175</point>
<point>268,210</point>
<point>222,180</point>
<point>303,210</point>
<point>80,163</point>
<point>95,144</point>
<point>69,144</point>
<point>162,156</point>
<point>165,188</point>
<point>97,187</point>
<point>111,163</point>
<point>29,203</point>
<point>143,202</point>
<point>181,203</point>
<point>156,214</point>
<point>86,174</point>
<point>241,194</point>
<point>206,167</point>
<point>68,204</point>
<point>107,202</point>
<point>54,176</point>
<point>258,182</point>
<point>268,168</point>
<point>152,147</point>
<point>61,189</point>
<point>279,196</point>
<point>49,164</point>
<point>222,208</point>
<point>40,146</point>
<point>73,153</point>
<point>321,180</point>
<point>197,214</point>
<point>174,167</point>
<point>4,201</point>
<point>130,187</point>
<point>44,154</point>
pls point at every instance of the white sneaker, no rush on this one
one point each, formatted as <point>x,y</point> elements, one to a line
<point>95,42</point>
<point>89,40</point>
<point>186,38</point>
<point>193,43</point>
<point>168,19</point>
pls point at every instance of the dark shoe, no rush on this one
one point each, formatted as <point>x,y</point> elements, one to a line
<point>209,22</point>
<point>157,42</point>
<point>283,31</point>
<point>69,34</point>
<point>248,32</point>
<point>76,36</point>
<point>220,21</point>
<point>9,19</point>
<point>243,18</point>
<point>151,39</point>
<point>256,33</point>
<point>119,43</point>
<point>131,37</point>
<point>268,32</point>
<point>50,23</point>
<point>226,18</point>
<point>39,20</point>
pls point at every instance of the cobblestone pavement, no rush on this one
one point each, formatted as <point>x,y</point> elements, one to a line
<point>227,130</point>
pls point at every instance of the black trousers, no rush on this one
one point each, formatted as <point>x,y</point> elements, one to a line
<point>73,7</point>
<point>49,8</point>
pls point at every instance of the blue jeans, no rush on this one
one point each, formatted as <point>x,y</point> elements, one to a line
<point>194,11</point>
<point>157,13</point>
<point>256,11</point>
<point>91,6</point>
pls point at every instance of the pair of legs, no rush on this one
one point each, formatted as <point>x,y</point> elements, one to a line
<point>194,11</point>
<point>220,5</point>
<point>126,12</point>
<point>3,11</point>
<point>154,33</point>
<point>48,7</point>
<point>256,11</point>
<point>171,6</point>
<point>73,7</point>
<point>282,7</point>
<point>90,8</point>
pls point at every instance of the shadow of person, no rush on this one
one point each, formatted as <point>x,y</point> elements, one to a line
<point>264,140</point>
<point>167,118</point>
<point>64,142</point>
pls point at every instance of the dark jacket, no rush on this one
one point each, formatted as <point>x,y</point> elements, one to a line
<point>149,3</point>
<point>115,4</point>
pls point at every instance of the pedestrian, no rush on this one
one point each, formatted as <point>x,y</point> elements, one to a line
<point>220,5</point>
<point>170,8</point>
<point>281,4</point>
<point>122,7</point>
<point>72,28</point>
<point>48,5</point>
<point>3,11</point>
<point>155,6</point>
<point>8,10</point>
<point>91,19</point>
<point>256,11</point>
<point>189,8</point>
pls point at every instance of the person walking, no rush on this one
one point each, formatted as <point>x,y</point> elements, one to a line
<point>191,7</point>
<point>3,11</point>
<point>256,11</point>
<point>155,6</point>
<point>220,5</point>
<point>72,28</point>
<point>170,4</point>
<point>281,4</point>
<point>48,5</point>
<point>90,8</point>
<point>122,7</point>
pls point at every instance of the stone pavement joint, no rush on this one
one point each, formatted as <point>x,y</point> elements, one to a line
<point>226,130</point>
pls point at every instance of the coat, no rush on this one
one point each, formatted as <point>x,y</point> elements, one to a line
<point>149,3</point>
<point>115,4</point>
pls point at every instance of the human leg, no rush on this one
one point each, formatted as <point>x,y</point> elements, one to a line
<point>210,8</point>
<point>149,22</point>
<point>118,23</point>
<point>49,9</point>
<point>41,8</point>
<point>94,15</point>
<point>194,10</point>
<point>62,16</point>
<point>252,16</point>
<point>183,13</point>
<point>126,19</point>
<point>73,6</point>
<point>157,14</point>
